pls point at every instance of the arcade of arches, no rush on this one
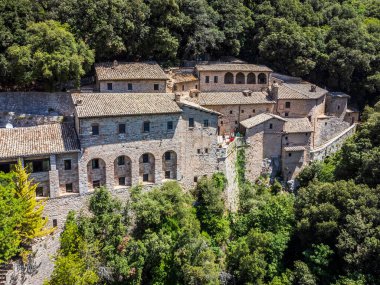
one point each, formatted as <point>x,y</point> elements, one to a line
<point>122,167</point>
<point>241,78</point>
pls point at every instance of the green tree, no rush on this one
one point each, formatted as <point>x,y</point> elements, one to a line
<point>50,54</point>
<point>10,218</point>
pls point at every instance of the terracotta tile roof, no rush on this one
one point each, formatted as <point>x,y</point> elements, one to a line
<point>129,70</point>
<point>297,125</point>
<point>123,104</point>
<point>197,106</point>
<point>299,91</point>
<point>233,98</point>
<point>183,77</point>
<point>232,67</point>
<point>294,148</point>
<point>38,140</point>
<point>259,119</point>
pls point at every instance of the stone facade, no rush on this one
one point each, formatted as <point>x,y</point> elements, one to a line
<point>237,81</point>
<point>139,86</point>
<point>234,114</point>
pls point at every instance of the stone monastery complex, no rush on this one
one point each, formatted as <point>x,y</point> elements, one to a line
<point>141,124</point>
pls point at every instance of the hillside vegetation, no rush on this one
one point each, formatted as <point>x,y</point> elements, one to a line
<point>335,43</point>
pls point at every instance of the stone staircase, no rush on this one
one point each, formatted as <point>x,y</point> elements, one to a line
<point>4,268</point>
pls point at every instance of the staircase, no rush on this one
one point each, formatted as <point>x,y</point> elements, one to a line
<point>4,268</point>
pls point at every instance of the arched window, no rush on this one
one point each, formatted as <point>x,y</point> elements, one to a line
<point>228,78</point>
<point>147,168</point>
<point>251,78</point>
<point>262,78</point>
<point>96,173</point>
<point>240,78</point>
<point>123,171</point>
<point>169,165</point>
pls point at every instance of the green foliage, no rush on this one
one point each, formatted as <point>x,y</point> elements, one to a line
<point>10,218</point>
<point>20,214</point>
<point>49,54</point>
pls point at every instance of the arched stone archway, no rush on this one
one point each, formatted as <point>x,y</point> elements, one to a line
<point>169,165</point>
<point>262,78</point>
<point>147,168</point>
<point>228,78</point>
<point>122,171</point>
<point>251,78</point>
<point>96,173</point>
<point>240,78</point>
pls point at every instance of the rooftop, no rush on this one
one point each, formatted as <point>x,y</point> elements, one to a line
<point>182,77</point>
<point>232,67</point>
<point>129,70</point>
<point>259,119</point>
<point>89,105</point>
<point>198,107</point>
<point>38,140</point>
<point>300,91</point>
<point>233,98</point>
<point>297,125</point>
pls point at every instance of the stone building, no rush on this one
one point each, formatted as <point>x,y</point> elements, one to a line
<point>183,80</point>
<point>119,140</point>
<point>50,152</point>
<point>232,77</point>
<point>131,77</point>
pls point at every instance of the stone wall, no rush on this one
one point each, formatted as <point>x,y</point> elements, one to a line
<point>332,145</point>
<point>234,114</point>
<point>18,120</point>
<point>301,108</point>
<point>138,86</point>
<point>327,128</point>
<point>220,86</point>
<point>37,103</point>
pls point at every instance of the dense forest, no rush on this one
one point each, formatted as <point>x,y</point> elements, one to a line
<point>327,232</point>
<point>334,43</point>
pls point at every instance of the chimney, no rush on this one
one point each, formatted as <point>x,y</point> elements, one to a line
<point>274,90</point>
<point>177,97</point>
<point>313,88</point>
<point>115,63</point>
<point>79,102</point>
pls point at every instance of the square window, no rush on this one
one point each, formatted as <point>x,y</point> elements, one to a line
<point>249,116</point>
<point>39,191</point>
<point>96,183</point>
<point>121,160</point>
<point>146,177</point>
<point>215,79</point>
<point>236,122</point>
<point>130,87</point>
<point>109,86</point>
<point>199,151</point>
<point>207,80</point>
<point>183,87</point>
<point>168,156</point>
<point>206,150</point>
<point>145,158</point>
<point>95,164</point>
<point>287,104</point>
<point>170,125</point>
<point>146,127</point>
<point>205,123</point>
<point>67,164</point>
<point>253,111</point>
<point>289,154</point>
<point>242,111</point>
<point>156,86</point>
<point>167,174</point>
<point>69,187</point>
<point>191,122</point>
<point>221,122</point>
<point>121,128</point>
<point>121,180</point>
<point>195,178</point>
<point>95,130</point>
<point>55,223</point>
<point>230,111</point>
<point>196,86</point>
<point>271,126</point>
<point>286,114</point>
